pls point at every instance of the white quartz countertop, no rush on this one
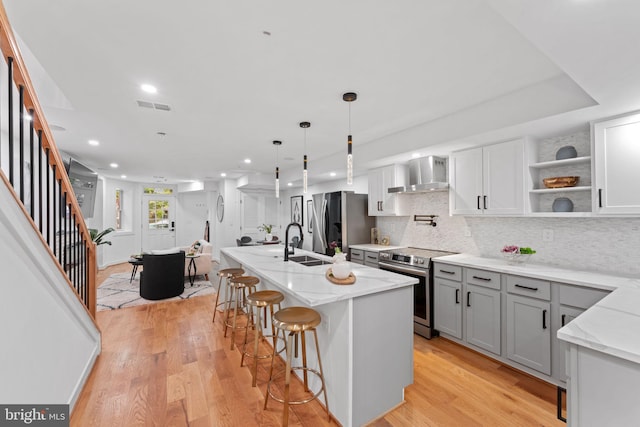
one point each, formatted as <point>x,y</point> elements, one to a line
<point>611,326</point>
<point>309,284</point>
<point>375,248</point>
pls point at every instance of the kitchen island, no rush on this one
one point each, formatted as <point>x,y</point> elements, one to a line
<point>366,334</point>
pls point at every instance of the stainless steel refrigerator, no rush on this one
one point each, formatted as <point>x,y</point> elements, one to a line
<point>340,217</point>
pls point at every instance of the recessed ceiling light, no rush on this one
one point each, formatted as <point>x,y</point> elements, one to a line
<point>223,174</point>
<point>415,155</point>
<point>113,165</point>
<point>123,176</point>
<point>247,161</point>
<point>149,88</point>
<point>332,174</point>
<point>289,184</point>
<point>94,142</point>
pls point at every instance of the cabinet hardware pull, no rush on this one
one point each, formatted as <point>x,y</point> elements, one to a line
<point>478,202</point>
<point>447,272</point>
<point>468,299</point>
<point>457,296</point>
<point>372,257</point>
<point>599,197</point>
<point>482,278</point>
<point>381,205</point>
<point>544,319</point>
<point>484,201</point>
<point>526,287</point>
<point>562,319</point>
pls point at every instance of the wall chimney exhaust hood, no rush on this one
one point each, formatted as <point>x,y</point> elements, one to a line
<point>425,174</point>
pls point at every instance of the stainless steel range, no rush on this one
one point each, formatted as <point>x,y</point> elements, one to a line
<point>416,262</point>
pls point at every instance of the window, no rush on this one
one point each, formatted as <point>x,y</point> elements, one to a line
<point>118,209</point>
<point>152,190</point>
<point>158,214</point>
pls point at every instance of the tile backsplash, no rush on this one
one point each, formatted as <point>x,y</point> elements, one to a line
<point>610,245</point>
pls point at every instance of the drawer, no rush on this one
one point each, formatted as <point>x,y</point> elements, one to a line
<point>371,259</point>
<point>488,279</point>
<point>357,255</point>
<point>451,272</point>
<point>534,288</point>
<point>578,296</point>
<point>370,256</point>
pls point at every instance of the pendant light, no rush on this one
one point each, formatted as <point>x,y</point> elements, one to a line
<point>305,126</point>
<point>277,144</point>
<point>349,97</point>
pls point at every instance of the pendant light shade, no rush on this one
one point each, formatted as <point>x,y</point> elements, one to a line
<point>305,126</point>
<point>277,144</point>
<point>349,97</point>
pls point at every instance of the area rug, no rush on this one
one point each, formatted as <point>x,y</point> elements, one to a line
<point>116,292</point>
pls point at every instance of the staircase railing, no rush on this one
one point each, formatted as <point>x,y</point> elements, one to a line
<point>33,168</point>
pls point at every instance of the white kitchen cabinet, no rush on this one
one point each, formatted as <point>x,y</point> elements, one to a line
<point>617,156</point>
<point>488,180</point>
<point>482,327</point>
<point>447,306</point>
<point>381,202</point>
<point>356,255</point>
<point>529,332</point>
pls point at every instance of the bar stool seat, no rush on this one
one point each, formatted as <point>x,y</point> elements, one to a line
<point>297,321</point>
<point>226,274</point>
<point>262,300</point>
<point>239,287</point>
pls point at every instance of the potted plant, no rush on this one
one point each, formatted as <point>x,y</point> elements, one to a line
<point>267,229</point>
<point>97,237</point>
<point>340,268</point>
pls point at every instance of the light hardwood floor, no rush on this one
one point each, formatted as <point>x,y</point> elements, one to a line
<point>166,364</point>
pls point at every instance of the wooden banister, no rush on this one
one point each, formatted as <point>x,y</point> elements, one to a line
<point>10,49</point>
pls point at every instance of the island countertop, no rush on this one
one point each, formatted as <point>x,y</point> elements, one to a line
<point>308,283</point>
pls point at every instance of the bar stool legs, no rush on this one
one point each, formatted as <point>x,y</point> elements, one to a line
<point>226,274</point>
<point>261,300</point>
<point>239,286</point>
<point>296,321</point>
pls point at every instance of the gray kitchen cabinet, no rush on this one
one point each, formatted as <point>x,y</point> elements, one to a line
<point>482,326</point>
<point>529,332</point>
<point>617,176</point>
<point>488,180</point>
<point>572,301</point>
<point>381,202</point>
<point>447,306</point>
<point>356,255</point>
<point>468,311</point>
<point>371,259</point>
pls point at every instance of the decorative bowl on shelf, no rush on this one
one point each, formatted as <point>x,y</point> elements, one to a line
<point>567,152</point>
<point>561,181</point>
<point>562,204</point>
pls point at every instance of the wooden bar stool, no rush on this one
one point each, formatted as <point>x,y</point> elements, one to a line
<point>261,300</point>
<point>227,274</point>
<point>239,286</point>
<point>297,321</point>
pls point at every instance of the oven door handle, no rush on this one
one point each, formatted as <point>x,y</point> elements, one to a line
<point>395,268</point>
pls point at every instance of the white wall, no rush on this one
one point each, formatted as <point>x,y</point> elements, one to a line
<point>49,342</point>
<point>191,216</point>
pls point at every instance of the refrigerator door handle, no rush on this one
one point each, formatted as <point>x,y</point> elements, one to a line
<point>325,227</point>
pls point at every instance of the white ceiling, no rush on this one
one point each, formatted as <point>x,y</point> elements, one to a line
<point>431,75</point>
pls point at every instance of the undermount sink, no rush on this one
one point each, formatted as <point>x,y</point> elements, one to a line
<point>309,261</point>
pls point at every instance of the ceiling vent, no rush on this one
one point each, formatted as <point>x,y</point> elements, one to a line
<point>147,104</point>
